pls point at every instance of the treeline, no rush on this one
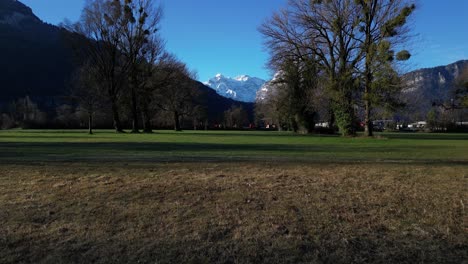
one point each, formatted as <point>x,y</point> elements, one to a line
<point>34,113</point>
<point>125,69</point>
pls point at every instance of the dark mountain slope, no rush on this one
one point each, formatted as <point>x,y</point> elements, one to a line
<point>34,60</point>
<point>217,104</point>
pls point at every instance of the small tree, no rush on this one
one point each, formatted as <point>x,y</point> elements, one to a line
<point>6,121</point>
<point>86,92</point>
<point>431,119</point>
<point>173,89</point>
<point>236,117</point>
<point>26,113</point>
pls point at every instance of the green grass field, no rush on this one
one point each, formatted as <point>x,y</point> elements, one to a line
<point>229,146</point>
<point>232,197</point>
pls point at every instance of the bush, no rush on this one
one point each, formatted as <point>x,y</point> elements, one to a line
<point>6,122</point>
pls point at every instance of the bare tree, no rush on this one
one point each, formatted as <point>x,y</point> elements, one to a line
<point>348,41</point>
<point>149,81</point>
<point>86,92</point>
<point>141,45</point>
<point>97,39</point>
<point>324,32</point>
<point>174,90</point>
<point>236,117</point>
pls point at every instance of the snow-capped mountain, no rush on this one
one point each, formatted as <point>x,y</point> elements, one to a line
<point>268,88</point>
<point>241,88</point>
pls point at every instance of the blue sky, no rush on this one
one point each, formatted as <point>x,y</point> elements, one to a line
<point>220,36</point>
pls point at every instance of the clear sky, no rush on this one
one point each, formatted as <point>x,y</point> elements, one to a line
<point>220,36</point>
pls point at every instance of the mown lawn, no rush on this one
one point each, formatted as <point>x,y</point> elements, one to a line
<point>229,146</point>
<point>232,197</point>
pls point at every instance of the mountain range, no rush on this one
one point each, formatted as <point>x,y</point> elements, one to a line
<point>241,88</point>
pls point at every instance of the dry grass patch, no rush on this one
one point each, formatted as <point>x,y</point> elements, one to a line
<point>233,213</point>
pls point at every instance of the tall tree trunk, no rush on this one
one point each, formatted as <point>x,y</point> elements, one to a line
<point>367,95</point>
<point>369,128</point>
<point>135,128</point>
<point>147,127</point>
<point>369,18</point>
<point>116,118</point>
<point>344,114</point>
<point>90,123</point>
<point>294,125</point>
<point>176,121</point>
<point>331,118</point>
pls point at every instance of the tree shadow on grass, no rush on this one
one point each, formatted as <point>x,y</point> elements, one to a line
<point>181,151</point>
<point>426,136</point>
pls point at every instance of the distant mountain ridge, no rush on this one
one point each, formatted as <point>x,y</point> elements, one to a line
<point>423,87</point>
<point>428,85</point>
<point>241,88</point>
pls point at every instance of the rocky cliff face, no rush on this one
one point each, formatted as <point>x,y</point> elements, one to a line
<point>423,88</point>
<point>15,13</point>
<point>426,86</point>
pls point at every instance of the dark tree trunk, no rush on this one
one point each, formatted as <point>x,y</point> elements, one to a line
<point>147,127</point>
<point>369,129</point>
<point>90,123</point>
<point>368,68</point>
<point>135,127</point>
<point>116,118</point>
<point>331,121</point>
<point>176,121</point>
<point>367,97</point>
<point>294,125</point>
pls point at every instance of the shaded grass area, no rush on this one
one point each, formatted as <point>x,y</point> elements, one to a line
<point>232,213</point>
<point>229,146</point>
